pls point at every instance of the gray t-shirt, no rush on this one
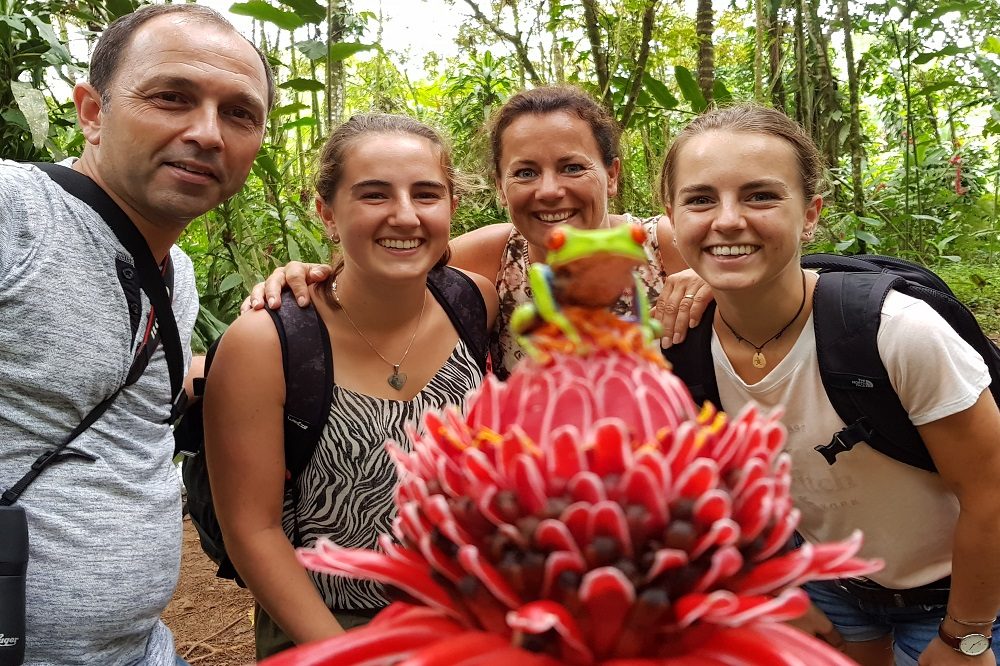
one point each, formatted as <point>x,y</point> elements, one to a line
<point>105,536</point>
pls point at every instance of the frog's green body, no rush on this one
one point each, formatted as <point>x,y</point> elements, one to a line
<point>588,268</point>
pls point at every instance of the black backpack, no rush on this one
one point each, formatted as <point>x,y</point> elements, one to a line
<point>308,370</point>
<point>846,313</point>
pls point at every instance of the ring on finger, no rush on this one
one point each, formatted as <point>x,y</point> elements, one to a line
<point>688,295</point>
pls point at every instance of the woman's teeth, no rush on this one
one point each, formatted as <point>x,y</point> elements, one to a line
<point>731,250</point>
<point>400,244</point>
<point>554,217</point>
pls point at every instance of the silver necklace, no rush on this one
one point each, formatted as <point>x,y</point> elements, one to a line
<point>397,379</point>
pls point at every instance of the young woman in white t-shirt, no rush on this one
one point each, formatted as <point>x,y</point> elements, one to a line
<point>741,186</point>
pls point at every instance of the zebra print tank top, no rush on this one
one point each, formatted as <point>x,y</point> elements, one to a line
<point>346,490</point>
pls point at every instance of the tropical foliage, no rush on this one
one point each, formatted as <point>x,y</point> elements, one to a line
<point>903,96</point>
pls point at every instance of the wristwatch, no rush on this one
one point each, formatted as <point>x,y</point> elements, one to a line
<point>971,645</point>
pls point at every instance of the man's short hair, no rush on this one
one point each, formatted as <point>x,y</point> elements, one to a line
<point>115,40</point>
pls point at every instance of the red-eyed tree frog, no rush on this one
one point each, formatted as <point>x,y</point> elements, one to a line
<point>588,268</point>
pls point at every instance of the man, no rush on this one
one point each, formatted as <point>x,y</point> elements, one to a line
<point>173,116</point>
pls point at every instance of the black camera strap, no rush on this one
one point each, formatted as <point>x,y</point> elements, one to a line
<point>153,281</point>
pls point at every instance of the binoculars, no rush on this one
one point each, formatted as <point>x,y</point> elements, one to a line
<point>13,567</point>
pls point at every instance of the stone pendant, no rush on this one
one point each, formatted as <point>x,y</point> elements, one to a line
<point>397,379</point>
<point>758,360</point>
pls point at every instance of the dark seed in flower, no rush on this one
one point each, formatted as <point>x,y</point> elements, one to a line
<point>554,507</point>
<point>630,570</point>
<point>602,551</point>
<point>569,580</point>
<point>638,520</point>
<point>507,506</point>
<point>680,534</point>
<point>446,545</point>
<point>682,509</point>
<point>528,525</point>
<point>536,642</point>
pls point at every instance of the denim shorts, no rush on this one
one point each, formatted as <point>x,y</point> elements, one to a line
<point>911,628</point>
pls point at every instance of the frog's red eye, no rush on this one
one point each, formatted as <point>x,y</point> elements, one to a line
<point>557,238</point>
<point>638,234</point>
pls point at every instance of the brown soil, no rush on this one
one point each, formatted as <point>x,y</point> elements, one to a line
<point>210,617</point>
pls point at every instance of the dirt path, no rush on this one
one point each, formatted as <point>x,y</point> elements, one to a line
<point>210,617</point>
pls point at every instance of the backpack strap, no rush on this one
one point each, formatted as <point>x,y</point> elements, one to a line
<point>462,301</point>
<point>308,370</point>
<point>847,312</point>
<point>307,365</point>
<point>692,361</point>
<point>151,278</point>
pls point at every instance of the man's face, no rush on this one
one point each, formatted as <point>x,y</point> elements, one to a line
<point>183,121</point>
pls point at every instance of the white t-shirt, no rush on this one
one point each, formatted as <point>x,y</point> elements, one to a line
<point>907,515</point>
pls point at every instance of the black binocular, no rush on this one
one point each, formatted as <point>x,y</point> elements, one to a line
<point>13,567</point>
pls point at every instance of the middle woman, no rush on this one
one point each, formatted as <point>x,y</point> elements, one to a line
<point>385,191</point>
<point>555,161</point>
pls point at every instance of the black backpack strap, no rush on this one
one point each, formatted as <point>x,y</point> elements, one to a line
<point>692,361</point>
<point>308,369</point>
<point>462,301</point>
<point>151,279</point>
<point>847,312</point>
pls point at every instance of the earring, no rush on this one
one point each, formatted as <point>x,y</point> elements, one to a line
<point>334,238</point>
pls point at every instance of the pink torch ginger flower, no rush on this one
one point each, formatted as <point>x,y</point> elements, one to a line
<point>586,512</point>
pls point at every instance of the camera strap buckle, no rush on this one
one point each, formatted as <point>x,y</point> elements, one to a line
<point>44,460</point>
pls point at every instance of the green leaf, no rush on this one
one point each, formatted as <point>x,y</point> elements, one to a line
<point>992,44</point>
<point>306,121</point>
<point>262,11</point>
<point>31,102</point>
<point>659,91</point>
<point>843,245</point>
<point>57,53</point>
<point>867,237</point>
<point>232,280</point>
<point>689,88</point>
<point>934,87</point>
<point>294,252</point>
<point>344,50</point>
<point>287,109</point>
<point>313,49</point>
<point>310,10</point>
<point>303,85</point>
<point>949,50</point>
<point>119,8</point>
<point>265,165</point>
<point>720,93</point>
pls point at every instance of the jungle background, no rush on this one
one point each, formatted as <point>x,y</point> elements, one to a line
<point>902,96</point>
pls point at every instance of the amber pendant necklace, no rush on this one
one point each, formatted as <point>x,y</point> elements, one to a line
<point>397,379</point>
<point>759,360</point>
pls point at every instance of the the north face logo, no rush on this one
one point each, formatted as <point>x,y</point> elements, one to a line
<point>863,383</point>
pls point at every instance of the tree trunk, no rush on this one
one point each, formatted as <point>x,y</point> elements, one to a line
<point>803,91</point>
<point>597,51</point>
<point>775,34</point>
<point>635,81</point>
<point>760,31</point>
<point>335,26</point>
<point>854,133</point>
<point>706,51</point>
